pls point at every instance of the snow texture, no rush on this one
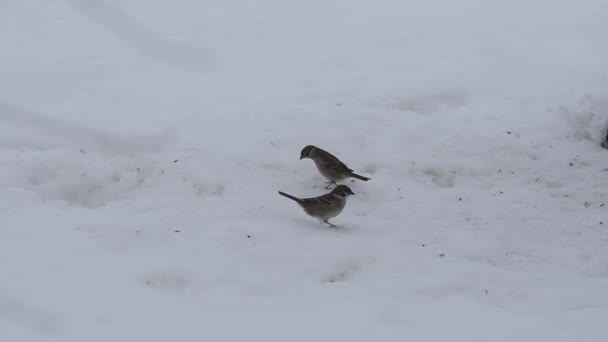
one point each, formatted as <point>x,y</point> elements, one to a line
<point>142,144</point>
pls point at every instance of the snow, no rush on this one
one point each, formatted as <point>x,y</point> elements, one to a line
<point>142,144</point>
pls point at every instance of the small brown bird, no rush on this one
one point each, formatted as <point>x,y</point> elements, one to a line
<point>329,165</point>
<point>325,206</point>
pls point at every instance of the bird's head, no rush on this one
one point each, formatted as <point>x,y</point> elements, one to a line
<point>342,191</point>
<point>308,152</point>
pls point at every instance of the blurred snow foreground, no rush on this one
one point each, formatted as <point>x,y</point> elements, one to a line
<point>142,144</point>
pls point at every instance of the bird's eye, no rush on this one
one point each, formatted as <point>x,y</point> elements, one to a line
<point>344,194</point>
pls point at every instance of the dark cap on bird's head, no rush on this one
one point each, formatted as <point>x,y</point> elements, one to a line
<point>307,151</point>
<point>342,190</point>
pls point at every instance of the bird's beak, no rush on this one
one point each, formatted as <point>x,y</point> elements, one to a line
<point>301,157</point>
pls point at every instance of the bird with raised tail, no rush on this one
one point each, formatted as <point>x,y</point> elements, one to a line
<point>325,206</point>
<point>329,165</point>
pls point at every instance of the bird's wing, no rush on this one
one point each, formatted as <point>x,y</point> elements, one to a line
<point>331,161</point>
<point>324,200</point>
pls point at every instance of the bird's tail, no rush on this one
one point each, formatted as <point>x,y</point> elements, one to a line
<point>352,174</point>
<point>290,197</point>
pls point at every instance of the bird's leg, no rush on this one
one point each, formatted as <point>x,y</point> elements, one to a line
<point>330,224</point>
<point>329,184</point>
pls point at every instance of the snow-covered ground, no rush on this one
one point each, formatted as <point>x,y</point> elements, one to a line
<point>142,144</point>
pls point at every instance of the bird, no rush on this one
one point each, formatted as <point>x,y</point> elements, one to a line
<point>325,206</point>
<point>329,165</point>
